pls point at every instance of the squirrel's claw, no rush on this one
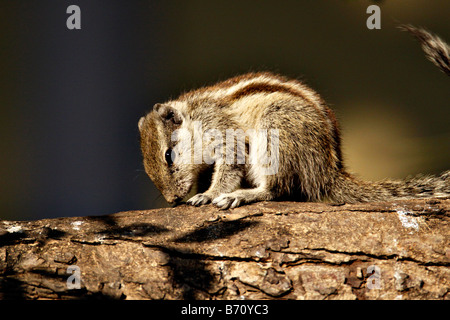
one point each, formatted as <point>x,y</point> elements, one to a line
<point>199,199</point>
<point>226,201</point>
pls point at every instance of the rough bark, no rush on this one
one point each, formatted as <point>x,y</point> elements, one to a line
<point>267,250</point>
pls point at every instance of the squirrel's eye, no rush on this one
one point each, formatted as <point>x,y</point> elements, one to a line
<point>168,156</point>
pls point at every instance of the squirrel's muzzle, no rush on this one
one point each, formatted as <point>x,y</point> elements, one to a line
<point>173,199</point>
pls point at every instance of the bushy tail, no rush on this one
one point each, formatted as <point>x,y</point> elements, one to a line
<point>350,190</point>
<point>436,50</point>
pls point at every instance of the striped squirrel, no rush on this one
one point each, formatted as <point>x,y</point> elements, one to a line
<point>308,158</point>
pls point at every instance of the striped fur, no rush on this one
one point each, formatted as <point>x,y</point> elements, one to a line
<point>310,160</point>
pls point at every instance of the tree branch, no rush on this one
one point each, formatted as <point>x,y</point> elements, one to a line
<point>267,250</point>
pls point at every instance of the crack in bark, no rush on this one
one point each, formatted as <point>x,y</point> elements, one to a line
<point>369,256</point>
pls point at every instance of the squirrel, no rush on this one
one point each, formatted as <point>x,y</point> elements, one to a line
<point>309,163</point>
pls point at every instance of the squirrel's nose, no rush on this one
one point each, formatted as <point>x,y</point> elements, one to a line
<point>173,199</point>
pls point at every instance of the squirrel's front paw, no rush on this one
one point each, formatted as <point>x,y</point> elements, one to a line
<point>227,200</point>
<point>199,199</point>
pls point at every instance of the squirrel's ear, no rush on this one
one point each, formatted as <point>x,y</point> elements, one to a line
<point>157,107</point>
<point>168,113</point>
<point>141,123</point>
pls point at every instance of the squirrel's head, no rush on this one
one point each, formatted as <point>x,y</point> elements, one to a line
<point>166,156</point>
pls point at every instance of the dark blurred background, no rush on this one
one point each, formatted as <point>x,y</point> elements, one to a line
<point>70,100</point>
